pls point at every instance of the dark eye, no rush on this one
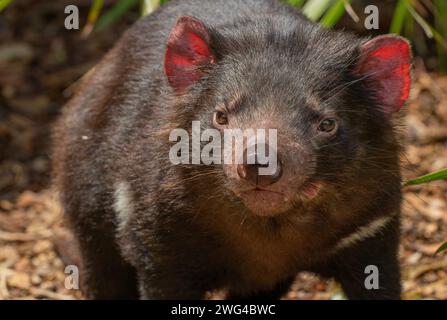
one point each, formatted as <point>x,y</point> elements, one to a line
<point>220,118</point>
<point>327,125</point>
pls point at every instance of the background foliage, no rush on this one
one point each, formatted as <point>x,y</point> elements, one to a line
<point>407,15</point>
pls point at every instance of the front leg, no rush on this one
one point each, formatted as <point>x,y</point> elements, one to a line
<point>155,284</point>
<point>368,267</point>
<point>172,260</point>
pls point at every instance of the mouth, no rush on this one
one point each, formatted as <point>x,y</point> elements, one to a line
<point>269,203</point>
<point>265,203</point>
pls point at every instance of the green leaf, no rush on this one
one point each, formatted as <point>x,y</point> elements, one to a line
<point>114,13</point>
<point>440,175</point>
<point>334,14</point>
<point>443,247</point>
<point>441,26</point>
<point>429,30</point>
<point>409,27</point>
<point>149,6</point>
<point>93,15</point>
<point>4,4</point>
<point>400,14</point>
<point>314,9</point>
<point>95,9</point>
<point>296,3</point>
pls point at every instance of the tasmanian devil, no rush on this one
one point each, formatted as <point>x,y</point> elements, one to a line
<point>149,228</point>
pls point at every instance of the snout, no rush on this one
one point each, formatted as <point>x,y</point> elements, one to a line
<point>273,172</point>
<point>254,174</point>
<point>272,184</point>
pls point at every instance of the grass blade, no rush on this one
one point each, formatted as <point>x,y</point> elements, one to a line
<point>296,3</point>
<point>334,14</point>
<point>440,175</point>
<point>419,19</point>
<point>409,27</point>
<point>93,15</point>
<point>149,6</point>
<point>400,14</point>
<point>4,4</point>
<point>441,26</point>
<point>350,11</point>
<point>113,14</point>
<point>314,9</point>
<point>429,30</point>
<point>443,247</point>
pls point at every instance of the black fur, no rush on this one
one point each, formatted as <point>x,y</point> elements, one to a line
<point>187,232</point>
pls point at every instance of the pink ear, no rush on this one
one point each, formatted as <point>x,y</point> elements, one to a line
<point>187,53</point>
<point>385,62</point>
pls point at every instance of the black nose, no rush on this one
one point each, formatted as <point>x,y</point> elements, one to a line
<point>250,172</point>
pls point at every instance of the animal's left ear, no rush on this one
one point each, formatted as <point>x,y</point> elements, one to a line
<point>385,63</point>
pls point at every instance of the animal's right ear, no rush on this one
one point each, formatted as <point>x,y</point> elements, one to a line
<point>187,54</point>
